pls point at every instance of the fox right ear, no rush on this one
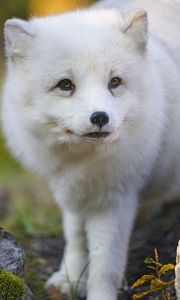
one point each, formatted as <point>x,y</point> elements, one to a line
<point>18,35</point>
<point>136,28</point>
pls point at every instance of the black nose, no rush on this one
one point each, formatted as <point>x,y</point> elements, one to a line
<point>99,118</point>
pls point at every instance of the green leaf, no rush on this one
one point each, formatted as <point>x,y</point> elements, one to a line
<point>142,280</point>
<point>158,264</point>
<point>166,268</point>
<point>151,267</point>
<point>149,260</point>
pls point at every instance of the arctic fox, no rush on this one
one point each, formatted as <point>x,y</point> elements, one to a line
<point>92,103</point>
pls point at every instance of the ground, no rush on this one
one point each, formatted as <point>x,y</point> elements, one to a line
<point>158,228</point>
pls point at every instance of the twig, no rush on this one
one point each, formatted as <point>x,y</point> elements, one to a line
<point>177,272</point>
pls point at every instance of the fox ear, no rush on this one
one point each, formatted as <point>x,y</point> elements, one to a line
<point>18,36</point>
<point>136,28</point>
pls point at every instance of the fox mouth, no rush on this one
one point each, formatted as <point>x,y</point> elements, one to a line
<point>97,135</point>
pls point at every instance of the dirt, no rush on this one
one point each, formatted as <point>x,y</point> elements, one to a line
<point>156,227</point>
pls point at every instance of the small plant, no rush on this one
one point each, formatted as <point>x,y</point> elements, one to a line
<point>154,278</point>
<point>11,286</point>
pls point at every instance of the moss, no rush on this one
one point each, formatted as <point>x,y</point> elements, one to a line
<point>11,286</point>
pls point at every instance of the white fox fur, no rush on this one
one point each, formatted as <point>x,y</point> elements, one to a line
<point>97,182</point>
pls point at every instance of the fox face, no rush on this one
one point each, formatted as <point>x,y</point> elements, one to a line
<point>78,78</point>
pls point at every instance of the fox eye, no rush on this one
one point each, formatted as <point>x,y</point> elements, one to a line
<point>66,85</point>
<point>114,83</point>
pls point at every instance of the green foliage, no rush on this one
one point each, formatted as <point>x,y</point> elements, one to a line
<point>10,9</point>
<point>15,8</point>
<point>154,280</point>
<point>25,221</point>
<point>11,286</point>
<point>6,161</point>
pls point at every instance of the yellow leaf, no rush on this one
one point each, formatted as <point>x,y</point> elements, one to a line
<point>166,268</point>
<point>142,280</point>
<point>141,295</point>
<point>169,283</point>
<point>42,7</point>
<point>157,284</point>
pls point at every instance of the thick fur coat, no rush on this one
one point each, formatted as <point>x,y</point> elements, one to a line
<point>119,60</point>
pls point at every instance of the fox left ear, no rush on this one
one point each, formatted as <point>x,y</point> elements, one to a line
<point>136,29</point>
<point>18,37</point>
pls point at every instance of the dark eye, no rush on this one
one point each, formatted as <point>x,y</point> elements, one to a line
<point>66,85</point>
<point>115,82</point>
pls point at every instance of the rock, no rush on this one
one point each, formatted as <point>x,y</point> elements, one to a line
<point>12,258</point>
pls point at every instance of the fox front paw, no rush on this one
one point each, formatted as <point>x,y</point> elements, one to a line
<point>63,286</point>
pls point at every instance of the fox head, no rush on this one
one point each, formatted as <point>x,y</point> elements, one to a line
<point>78,77</point>
<point>81,81</point>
